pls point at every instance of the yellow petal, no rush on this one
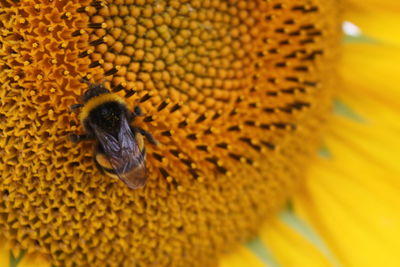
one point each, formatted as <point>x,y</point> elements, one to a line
<point>34,261</point>
<point>4,254</point>
<point>371,90</point>
<point>370,76</point>
<point>353,198</point>
<point>379,5</point>
<point>242,257</point>
<point>20,259</point>
<point>289,247</point>
<point>377,19</point>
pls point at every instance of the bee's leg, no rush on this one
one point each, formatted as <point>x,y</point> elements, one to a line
<point>75,138</point>
<point>137,111</point>
<point>74,107</point>
<point>148,136</point>
<point>85,80</point>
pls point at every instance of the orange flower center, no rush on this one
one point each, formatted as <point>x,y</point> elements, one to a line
<point>235,92</point>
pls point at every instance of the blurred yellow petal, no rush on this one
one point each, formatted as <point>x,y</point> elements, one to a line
<point>373,92</point>
<point>34,261</point>
<point>4,255</point>
<point>240,258</point>
<point>353,197</point>
<point>371,85</point>
<point>374,6</point>
<point>377,19</point>
<point>290,247</point>
<point>371,71</point>
<point>15,258</point>
<point>375,144</point>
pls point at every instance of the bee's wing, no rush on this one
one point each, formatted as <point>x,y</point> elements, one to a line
<point>123,154</point>
<point>133,172</point>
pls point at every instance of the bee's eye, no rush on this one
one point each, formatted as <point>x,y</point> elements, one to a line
<point>104,112</point>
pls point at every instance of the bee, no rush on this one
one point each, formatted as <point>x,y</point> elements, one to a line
<point>119,151</point>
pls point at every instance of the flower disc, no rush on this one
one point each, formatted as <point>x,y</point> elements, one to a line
<point>235,92</point>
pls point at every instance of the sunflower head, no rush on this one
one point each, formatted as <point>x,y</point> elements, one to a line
<point>235,93</point>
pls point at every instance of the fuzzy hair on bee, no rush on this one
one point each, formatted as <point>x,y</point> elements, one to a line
<point>120,150</point>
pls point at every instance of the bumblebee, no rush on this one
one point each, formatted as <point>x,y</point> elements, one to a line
<point>120,151</point>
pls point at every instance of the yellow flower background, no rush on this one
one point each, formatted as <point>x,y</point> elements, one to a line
<point>238,98</point>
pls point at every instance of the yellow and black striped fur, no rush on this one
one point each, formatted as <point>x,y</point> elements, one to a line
<point>120,151</point>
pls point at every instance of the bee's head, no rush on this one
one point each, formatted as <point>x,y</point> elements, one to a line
<point>93,91</point>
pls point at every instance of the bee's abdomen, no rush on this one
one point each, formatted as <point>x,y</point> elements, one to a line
<point>102,161</point>
<point>104,165</point>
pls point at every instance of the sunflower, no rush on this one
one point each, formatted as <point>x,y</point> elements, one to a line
<point>276,131</point>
